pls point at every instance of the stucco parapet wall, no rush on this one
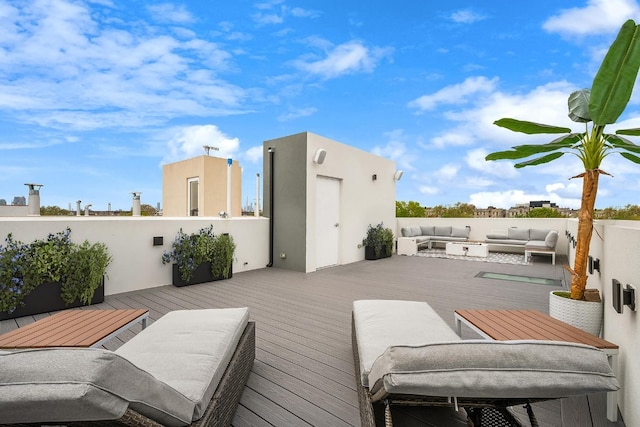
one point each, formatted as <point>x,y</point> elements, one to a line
<point>137,263</point>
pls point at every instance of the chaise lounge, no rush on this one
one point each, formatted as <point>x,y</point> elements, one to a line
<point>187,368</point>
<point>405,354</point>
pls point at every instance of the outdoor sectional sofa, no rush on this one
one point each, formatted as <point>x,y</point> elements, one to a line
<point>534,240</point>
<point>418,235</point>
<point>187,368</point>
<point>406,354</point>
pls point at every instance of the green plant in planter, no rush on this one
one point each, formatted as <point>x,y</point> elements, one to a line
<point>86,265</point>
<point>223,251</point>
<point>596,108</point>
<point>13,266</point>
<point>379,237</point>
<point>190,250</point>
<point>78,268</point>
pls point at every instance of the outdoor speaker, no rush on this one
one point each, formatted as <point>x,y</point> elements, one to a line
<point>319,156</point>
<point>616,299</point>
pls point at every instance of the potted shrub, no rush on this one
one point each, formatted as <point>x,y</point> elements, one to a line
<point>200,257</point>
<point>378,243</point>
<point>601,105</point>
<point>223,251</point>
<point>50,274</point>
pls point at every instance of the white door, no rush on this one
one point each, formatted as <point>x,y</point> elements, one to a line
<point>327,221</point>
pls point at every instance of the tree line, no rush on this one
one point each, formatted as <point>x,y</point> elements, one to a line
<point>413,209</point>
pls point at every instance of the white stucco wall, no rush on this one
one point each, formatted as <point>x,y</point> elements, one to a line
<point>137,264</point>
<point>363,201</point>
<point>618,251</point>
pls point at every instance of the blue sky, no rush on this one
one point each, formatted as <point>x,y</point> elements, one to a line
<point>96,95</point>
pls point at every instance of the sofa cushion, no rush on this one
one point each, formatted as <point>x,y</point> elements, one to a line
<point>427,230</point>
<point>57,384</point>
<point>383,323</point>
<point>406,232</point>
<point>497,236</point>
<point>460,232</point>
<point>551,239</point>
<point>538,234</point>
<point>416,231</point>
<point>195,358</point>
<point>536,244</point>
<point>442,230</point>
<point>494,369</point>
<point>518,234</point>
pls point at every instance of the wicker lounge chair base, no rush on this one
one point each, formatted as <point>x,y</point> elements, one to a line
<point>221,408</point>
<point>376,409</point>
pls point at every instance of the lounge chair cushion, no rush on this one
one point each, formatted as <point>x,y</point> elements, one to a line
<point>383,323</point>
<point>56,384</point>
<point>493,369</point>
<point>195,358</point>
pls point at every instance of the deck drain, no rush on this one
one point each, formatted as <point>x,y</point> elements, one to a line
<point>516,278</point>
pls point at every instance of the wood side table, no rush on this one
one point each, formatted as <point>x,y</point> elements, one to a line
<point>503,325</point>
<point>74,328</point>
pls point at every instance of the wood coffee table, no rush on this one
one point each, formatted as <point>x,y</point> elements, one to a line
<point>503,325</point>
<point>74,328</point>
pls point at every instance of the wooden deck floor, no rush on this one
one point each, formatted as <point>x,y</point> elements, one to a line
<point>303,372</point>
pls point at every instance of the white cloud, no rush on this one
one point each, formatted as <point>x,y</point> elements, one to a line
<point>348,58</point>
<point>296,114</point>
<point>447,173</point>
<point>67,63</point>
<point>254,154</point>
<point>466,16</point>
<point>169,12</point>
<point>189,141</point>
<point>455,94</point>
<point>510,198</point>
<point>454,139</point>
<point>431,191</point>
<point>396,150</point>
<point>475,159</point>
<point>597,17</point>
<point>474,123</point>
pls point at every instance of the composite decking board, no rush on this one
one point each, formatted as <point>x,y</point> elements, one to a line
<point>330,373</point>
<point>306,375</point>
<point>245,418</point>
<point>272,412</point>
<point>332,406</point>
<point>294,309</point>
<point>288,321</point>
<point>294,404</point>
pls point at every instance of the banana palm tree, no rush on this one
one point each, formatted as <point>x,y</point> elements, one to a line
<point>596,108</point>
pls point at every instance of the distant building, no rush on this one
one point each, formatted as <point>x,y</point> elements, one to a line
<point>19,201</point>
<point>490,212</point>
<point>518,210</point>
<point>198,187</point>
<point>543,204</point>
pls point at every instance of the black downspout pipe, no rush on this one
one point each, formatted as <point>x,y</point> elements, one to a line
<point>271,173</point>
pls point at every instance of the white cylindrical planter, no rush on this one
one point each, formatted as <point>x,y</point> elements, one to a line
<point>586,315</point>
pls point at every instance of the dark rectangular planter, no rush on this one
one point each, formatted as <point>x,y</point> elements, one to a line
<point>46,298</point>
<point>370,253</point>
<point>201,274</point>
